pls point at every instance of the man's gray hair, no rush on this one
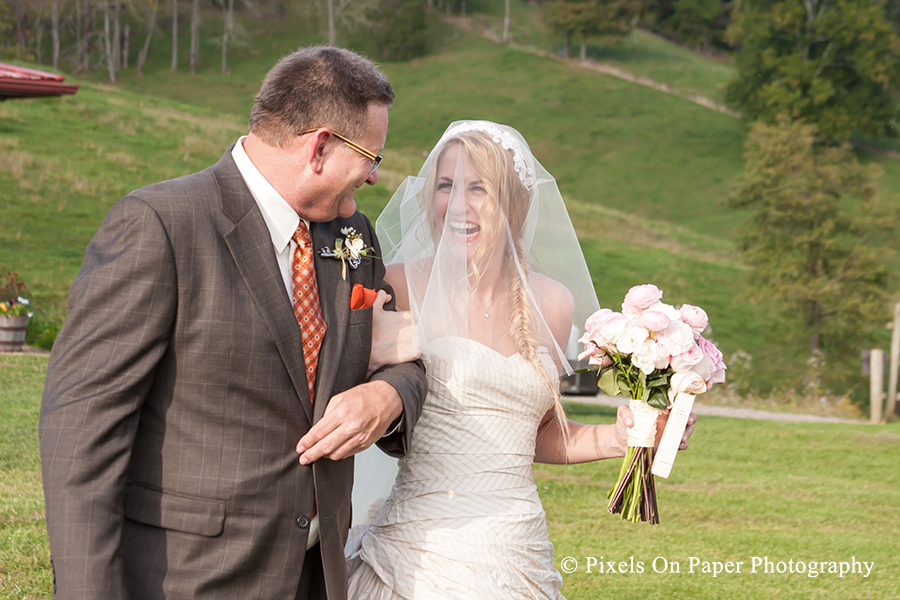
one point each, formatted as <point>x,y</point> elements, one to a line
<point>318,86</point>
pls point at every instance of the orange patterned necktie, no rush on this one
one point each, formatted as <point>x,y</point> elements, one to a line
<point>306,304</point>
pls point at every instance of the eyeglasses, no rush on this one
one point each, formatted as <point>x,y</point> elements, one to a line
<point>375,158</point>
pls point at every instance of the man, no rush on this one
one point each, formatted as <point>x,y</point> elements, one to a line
<point>209,330</point>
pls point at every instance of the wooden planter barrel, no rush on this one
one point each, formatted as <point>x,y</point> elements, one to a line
<point>12,333</point>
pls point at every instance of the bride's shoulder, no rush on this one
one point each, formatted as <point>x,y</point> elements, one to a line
<point>553,292</point>
<point>557,306</point>
<point>396,275</point>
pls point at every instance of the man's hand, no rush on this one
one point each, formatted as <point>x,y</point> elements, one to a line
<point>624,420</point>
<point>353,421</point>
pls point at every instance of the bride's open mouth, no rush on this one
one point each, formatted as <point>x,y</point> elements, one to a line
<point>465,230</point>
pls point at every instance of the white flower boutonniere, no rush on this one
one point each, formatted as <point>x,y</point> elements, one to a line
<point>350,250</point>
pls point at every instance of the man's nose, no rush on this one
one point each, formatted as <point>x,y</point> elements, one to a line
<point>372,179</point>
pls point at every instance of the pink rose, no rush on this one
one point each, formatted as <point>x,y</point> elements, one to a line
<point>590,349</point>
<point>709,349</point>
<point>595,320</point>
<point>654,320</point>
<point>640,297</point>
<point>665,344</point>
<point>685,361</point>
<point>705,369</point>
<point>662,357</point>
<point>593,338</point>
<point>695,317</point>
<point>600,360</point>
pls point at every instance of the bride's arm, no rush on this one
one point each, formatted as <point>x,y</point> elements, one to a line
<point>586,442</point>
<point>593,442</point>
<point>393,341</point>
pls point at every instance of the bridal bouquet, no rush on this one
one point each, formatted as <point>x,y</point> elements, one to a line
<point>655,354</point>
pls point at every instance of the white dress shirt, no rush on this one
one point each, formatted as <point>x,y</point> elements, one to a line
<point>282,221</point>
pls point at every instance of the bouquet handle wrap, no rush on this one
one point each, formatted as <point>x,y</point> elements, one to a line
<point>643,433</point>
<point>671,437</point>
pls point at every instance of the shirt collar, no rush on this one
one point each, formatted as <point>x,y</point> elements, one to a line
<point>280,218</point>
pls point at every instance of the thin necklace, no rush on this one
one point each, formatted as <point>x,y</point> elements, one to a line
<point>486,315</point>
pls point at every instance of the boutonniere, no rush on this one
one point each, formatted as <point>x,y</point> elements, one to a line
<point>350,249</point>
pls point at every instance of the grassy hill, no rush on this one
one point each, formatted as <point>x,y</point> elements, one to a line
<point>645,173</point>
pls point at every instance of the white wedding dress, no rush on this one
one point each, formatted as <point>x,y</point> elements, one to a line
<point>464,519</point>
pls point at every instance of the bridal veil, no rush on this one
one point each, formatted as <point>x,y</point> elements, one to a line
<point>489,255</point>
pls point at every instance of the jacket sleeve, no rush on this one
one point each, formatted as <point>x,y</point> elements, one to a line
<point>121,311</point>
<point>407,378</point>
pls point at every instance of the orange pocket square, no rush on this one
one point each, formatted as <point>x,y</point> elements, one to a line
<point>361,297</point>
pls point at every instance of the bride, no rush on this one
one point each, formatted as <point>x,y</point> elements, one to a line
<point>479,248</point>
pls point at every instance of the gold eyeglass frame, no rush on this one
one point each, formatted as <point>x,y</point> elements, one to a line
<point>375,158</point>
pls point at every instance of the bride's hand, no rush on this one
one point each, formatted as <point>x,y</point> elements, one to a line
<point>624,420</point>
<point>393,339</point>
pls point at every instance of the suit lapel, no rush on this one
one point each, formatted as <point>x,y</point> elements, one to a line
<point>334,297</point>
<point>250,245</point>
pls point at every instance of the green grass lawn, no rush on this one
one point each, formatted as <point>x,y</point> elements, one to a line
<point>24,555</point>
<point>786,491</point>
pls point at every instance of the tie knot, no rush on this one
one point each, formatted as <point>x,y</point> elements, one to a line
<point>301,236</point>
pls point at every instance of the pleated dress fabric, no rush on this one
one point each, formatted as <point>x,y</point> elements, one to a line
<point>464,519</point>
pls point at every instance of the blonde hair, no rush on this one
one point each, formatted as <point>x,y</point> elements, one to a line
<point>512,200</point>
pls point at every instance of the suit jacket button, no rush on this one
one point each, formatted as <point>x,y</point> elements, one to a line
<point>303,522</point>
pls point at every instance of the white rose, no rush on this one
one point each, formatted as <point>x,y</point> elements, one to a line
<point>667,309</point>
<point>613,328</point>
<point>685,383</point>
<point>644,357</point>
<point>681,337</point>
<point>631,339</point>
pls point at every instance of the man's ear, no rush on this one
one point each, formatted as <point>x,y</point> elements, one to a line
<point>317,150</point>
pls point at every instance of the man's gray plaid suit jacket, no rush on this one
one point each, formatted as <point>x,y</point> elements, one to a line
<point>176,395</point>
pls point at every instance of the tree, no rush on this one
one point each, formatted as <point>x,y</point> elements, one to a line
<point>195,35</point>
<point>117,35</point>
<point>816,258</point>
<point>21,28</point>
<point>151,26</point>
<point>54,31</point>
<point>174,35</point>
<point>694,21</point>
<point>399,29</point>
<point>351,13</point>
<point>39,13</point>
<point>234,34</point>
<point>227,28</point>
<point>833,64</point>
<point>506,39</point>
<point>107,43</point>
<point>589,18</point>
